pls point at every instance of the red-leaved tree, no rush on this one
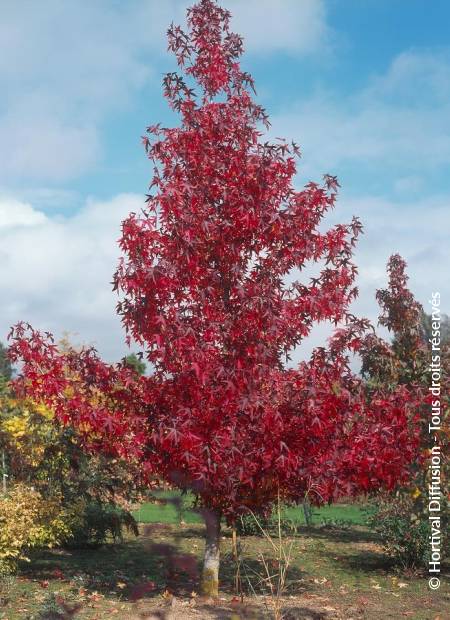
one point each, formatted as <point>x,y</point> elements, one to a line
<point>204,290</point>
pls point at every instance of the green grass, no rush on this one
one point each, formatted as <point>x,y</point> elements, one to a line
<point>352,513</point>
<point>168,510</point>
<point>331,569</point>
<point>171,508</point>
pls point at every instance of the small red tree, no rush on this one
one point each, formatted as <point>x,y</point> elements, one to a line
<point>204,283</point>
<point>408,362</point>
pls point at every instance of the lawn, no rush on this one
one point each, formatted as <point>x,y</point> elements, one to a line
<point>170,507</point>
<point>335,574</point>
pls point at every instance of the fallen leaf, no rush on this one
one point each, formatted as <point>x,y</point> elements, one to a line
<point>320,581</point>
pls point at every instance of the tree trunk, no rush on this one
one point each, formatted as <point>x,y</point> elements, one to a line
<point>209,584</point>
<point>5,475</point>
<point>307,512</point>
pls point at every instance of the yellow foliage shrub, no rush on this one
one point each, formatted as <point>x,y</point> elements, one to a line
<point>28,521</point>
<point>28,428</point>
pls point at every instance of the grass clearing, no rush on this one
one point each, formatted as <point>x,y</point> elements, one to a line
<point>171,507</point>
<point>336,574</point>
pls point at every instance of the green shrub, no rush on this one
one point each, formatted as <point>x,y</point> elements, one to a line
<point>94,523</point>
<point>404,533</point>
<point>247,525</point>
<point>336,524</point>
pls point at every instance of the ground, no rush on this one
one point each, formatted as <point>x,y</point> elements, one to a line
<point>337,573</point>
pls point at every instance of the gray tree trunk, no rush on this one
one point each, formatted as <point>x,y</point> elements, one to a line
<point>209,584</point>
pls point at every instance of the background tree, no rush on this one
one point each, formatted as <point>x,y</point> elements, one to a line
<point>136,362</point>
<point>205,292</point>
<point>403,516</point>
<point>5,376</point>
<point>425,324</point>
<point>5,364</point>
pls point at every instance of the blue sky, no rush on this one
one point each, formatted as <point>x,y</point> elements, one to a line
<point>362,85</point>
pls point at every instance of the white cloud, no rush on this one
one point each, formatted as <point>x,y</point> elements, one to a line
<point>15,214</point>
<point>418,231</point>
<point>285,25</point>
<point>65,65</point>
<point>414,76</point>
<point>397,125</point>
<point>400,119</point>
<point>56,272</point>
<point>399,122</point>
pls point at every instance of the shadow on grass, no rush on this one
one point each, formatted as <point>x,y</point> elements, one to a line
<point>143,568</point>
<point>251,612</point>
<point>238,612</point>
<point>330,533</point>
<point>336,534</point>
<point>137,569</point>
<point>367,561</point>
<point>303,613</point>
